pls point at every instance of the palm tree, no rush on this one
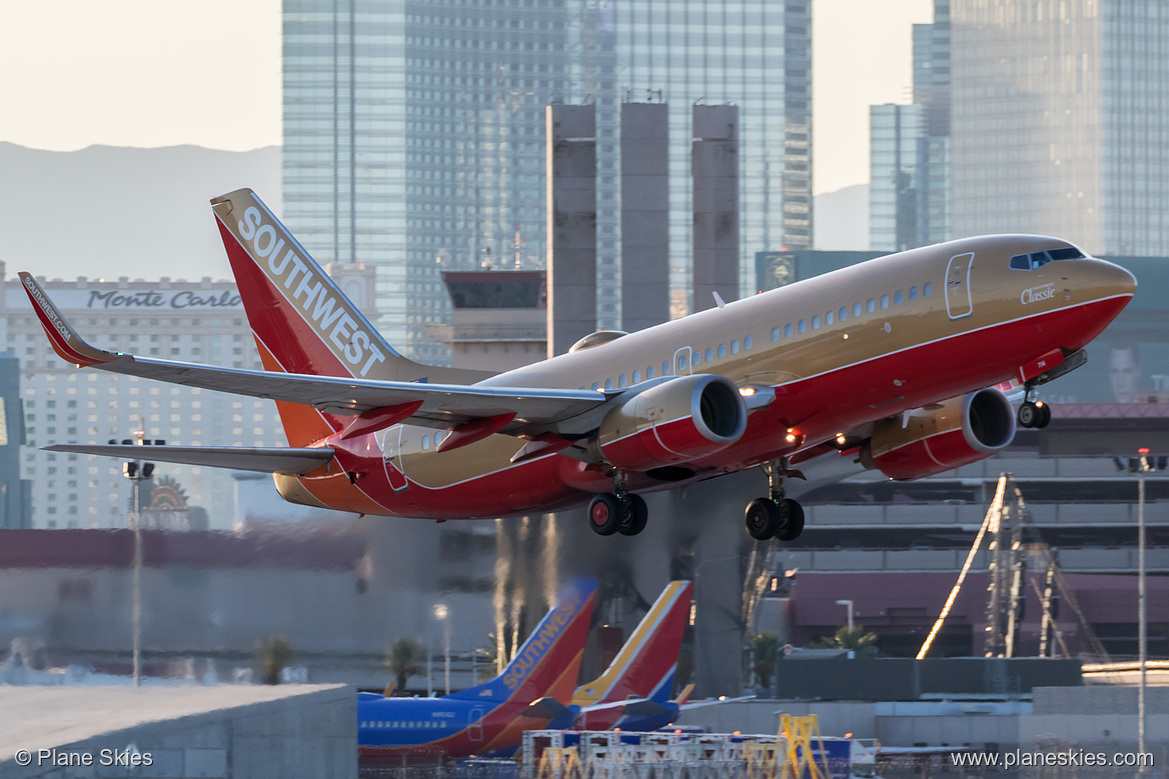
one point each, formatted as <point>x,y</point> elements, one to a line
<point>404,659</point>
<point>764,653</point>
<point>275,654</point>
<point>855,639</point>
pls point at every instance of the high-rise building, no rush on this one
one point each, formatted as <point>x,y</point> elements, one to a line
<point>895,172</point>
<point>1061,121</point>
<point>189,321</point>
<point>909,184</point>
<point>414,131</point>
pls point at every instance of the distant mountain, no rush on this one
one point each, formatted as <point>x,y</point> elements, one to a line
<point>842,219</point>
<point>105,212</point>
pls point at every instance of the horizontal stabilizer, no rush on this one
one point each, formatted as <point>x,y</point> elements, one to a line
<point>545,708</point>
<point>274,459</point>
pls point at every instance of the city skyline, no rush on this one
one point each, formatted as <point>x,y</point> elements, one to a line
<point>218,85</point>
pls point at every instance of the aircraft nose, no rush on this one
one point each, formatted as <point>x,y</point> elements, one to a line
<point>1115,280</point>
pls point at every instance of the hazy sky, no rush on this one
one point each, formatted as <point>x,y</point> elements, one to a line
<point>162,73</point>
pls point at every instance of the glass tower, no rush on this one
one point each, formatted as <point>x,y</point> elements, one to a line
<point>1061,121</point>
<point>414,131</point>
<point>909,184</point>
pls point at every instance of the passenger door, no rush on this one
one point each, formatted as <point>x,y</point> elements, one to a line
<point>958,301</point>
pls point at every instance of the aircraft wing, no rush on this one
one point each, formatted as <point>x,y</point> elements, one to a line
<point>715,702</point>
<point>434,405</point>
<point>282,459</point>
<point>646,709</point>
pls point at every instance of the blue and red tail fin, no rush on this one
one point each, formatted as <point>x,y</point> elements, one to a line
<point>644,668</point>
<point>548,664</point>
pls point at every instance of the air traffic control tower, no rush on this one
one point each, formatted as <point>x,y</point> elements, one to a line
<point>498,321</point>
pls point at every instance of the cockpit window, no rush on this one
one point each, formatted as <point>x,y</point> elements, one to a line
<point>1039,259</point>
<point>1066,253</point>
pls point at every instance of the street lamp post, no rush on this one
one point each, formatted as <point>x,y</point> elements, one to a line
<point>847,603</point>
<point>441,612</point>
<point>1142,602</point>
<point>136,471</point>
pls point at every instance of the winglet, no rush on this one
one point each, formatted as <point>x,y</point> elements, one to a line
<point>64,339</point>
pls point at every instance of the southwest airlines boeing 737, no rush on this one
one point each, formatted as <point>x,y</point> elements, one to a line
<point>895,361</point>
<point>533,689</point>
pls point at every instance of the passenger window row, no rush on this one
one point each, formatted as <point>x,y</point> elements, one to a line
<point>842,314</point>
<point>683,363</point>
<point>428,724</point>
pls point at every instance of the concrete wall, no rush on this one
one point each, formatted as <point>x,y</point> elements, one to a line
<point>645,215</point>
<point>899,724</point>
<point>715,169</point>
<point>572,224</point>
<point>256,732</point>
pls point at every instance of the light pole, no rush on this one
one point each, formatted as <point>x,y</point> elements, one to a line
<point>136,471</point>
<point>441,613</point>
<point>1142,601</point>
<point>848,603</point>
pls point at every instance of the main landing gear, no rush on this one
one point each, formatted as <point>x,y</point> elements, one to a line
<point>775,516</point>
<point>1033,413</point>
<point>618,512</point>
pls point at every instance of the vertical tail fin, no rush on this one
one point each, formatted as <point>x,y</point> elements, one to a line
<point>301,320</point>
<point>548,663</point>
<point>645,666</point>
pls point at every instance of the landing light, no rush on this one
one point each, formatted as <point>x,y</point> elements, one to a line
<point>747,391</point>
<point>840,439</point>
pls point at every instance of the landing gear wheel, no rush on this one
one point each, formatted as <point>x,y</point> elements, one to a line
<point>1034,414</point>
<point>762,518</point>
<point>791,520</point>
<point>605,514</point>
<point>634,516</point>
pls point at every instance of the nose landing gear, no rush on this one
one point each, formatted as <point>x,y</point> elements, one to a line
<point>1033,413</point>
<point>775,516</point>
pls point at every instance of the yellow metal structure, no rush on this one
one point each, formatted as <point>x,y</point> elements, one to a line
<point>796,735</point>
<point>560,764</point>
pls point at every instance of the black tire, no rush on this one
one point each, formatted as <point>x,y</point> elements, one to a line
<point>1029,415</point>
<point>634,517</point>
<point>791,520</point>
<point>762,518</point>
<point>1044,417</point>
<point>605,513</point>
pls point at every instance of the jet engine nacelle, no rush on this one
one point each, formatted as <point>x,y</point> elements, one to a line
<point>676,421</point>
<point>959,431</point>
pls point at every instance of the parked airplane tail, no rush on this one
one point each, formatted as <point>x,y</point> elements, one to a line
<point>548,663</point>
<point>645,666</point>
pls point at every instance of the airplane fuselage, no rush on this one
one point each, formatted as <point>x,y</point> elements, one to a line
<point>839,351</point>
